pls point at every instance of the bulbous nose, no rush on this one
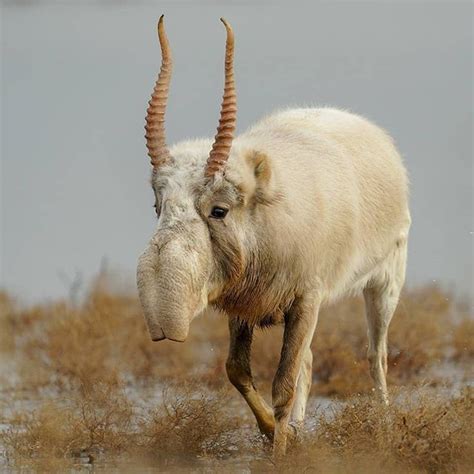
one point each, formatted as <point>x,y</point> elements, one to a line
<point>171,280</point>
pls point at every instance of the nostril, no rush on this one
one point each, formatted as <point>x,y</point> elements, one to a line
<point>163,336</point>
<point>159,337</point>
<point>156,333</point>
<point>176,340</point>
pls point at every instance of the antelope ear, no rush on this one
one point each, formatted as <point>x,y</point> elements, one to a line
<point>261,167</point>
<point>260,164</point>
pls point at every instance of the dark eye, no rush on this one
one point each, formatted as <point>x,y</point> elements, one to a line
<point>157,210</point>
<point>219,212</point>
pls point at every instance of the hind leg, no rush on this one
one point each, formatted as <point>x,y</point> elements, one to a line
<point>381,299</point>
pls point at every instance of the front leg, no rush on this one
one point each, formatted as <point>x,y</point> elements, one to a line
<point>240,374</point>
<point>300,323</point>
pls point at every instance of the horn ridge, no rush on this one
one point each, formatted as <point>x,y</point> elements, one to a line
<point>220,151</point>
<point>155,120</point>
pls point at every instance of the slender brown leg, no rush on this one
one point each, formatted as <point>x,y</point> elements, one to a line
<point>300,323</point>
<point>240,374</point>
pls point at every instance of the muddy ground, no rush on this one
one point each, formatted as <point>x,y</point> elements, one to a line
<point>83,388</point>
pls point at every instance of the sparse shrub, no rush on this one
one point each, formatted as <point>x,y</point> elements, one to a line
<point>94,420</point>
<point>188,422</point>
<point>418,433</point>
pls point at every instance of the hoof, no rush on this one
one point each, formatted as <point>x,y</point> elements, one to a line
<point>266,433</point>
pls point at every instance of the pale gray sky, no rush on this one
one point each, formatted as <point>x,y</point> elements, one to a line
<point>76,77</point>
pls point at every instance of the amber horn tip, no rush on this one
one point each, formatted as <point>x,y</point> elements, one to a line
<point>161,22</point>
<point>225,23</point>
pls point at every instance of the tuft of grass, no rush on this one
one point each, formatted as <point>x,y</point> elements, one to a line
<point>97,419</point>
<point>421,433</point>
<point>188,423</point>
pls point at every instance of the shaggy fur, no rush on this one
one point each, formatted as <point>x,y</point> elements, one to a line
<point>318,209</point>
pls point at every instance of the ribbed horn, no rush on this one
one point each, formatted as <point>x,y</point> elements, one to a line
<point>155,119</point>
<point>225,131</point>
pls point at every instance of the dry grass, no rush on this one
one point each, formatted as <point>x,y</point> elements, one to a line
<point>188,423</point>
<point>106,338</point>
<point>7,323</point>
<point>421,433</point>
<point>84,371</point>
<point>99,423</point>
<point>463,339</point>
<point>94,420</point>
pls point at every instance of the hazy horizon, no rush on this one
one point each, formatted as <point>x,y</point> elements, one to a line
<point>76,80</point>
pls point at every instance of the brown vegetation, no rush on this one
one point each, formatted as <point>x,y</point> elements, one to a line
<point>89,385</point>
<point>417,433</point>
